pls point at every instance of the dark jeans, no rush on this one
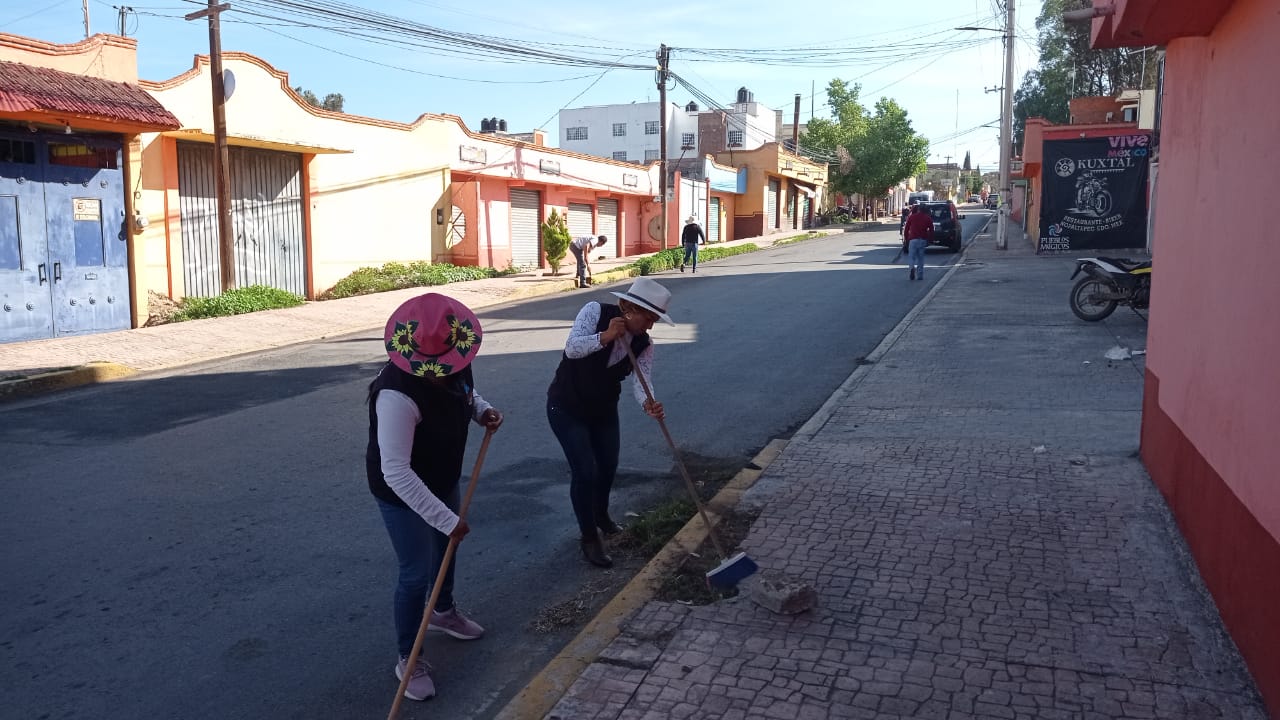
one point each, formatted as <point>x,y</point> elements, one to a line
<point>420,549</point>
<point>592,451</point>
<point>582,265</point>
<point>690,251</point>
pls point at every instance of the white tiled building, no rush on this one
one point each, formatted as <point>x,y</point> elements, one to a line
<point>631,131</point>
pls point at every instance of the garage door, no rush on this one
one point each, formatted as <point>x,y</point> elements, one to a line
<point>713,223</point>
<point>266,219</point>
<point>526,234</point>
<point>771,207</point>
<point>607,212</point>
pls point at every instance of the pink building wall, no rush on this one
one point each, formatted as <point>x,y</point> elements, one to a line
<point>1212,405</point>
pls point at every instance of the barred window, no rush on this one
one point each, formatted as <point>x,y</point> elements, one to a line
<point>735,138</point>
<point>622,155</point>
<point>651,155</point>
<point>619,129</point>
<point>686,140</point>
<point>575,133</point>
<point>652,127</point>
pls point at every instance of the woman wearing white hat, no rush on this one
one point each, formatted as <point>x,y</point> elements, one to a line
<point>582,402</point>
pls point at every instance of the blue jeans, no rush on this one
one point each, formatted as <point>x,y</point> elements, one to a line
<point>915,255</point>
<point>690,251</point>
<point>592,451</point>
<point>420,549</point>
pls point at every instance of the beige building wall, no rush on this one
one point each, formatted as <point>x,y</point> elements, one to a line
<point>369,185</point>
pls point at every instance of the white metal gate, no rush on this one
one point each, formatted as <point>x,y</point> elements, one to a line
<point>266,217</point>
<point>713,222</point>
<point>607,219</point>
<point>526,228</point>
<point>771,207</point>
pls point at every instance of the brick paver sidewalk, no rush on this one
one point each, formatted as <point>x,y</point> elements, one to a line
<point>982,538</point>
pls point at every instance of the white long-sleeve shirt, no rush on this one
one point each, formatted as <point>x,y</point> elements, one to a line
<point>584,340</point>
<point>398,420</point>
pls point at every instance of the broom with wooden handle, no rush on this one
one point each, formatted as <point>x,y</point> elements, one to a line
<point>439,584</point>
<point>731,570</point>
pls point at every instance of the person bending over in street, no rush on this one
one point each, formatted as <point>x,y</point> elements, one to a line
<point>582,401</point>
<point>690,237</point>
<point>420,406</point>
<point>915,238</point>
<point>581,249</point>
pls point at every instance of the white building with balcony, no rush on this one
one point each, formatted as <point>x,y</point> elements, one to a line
<point>632,131</point>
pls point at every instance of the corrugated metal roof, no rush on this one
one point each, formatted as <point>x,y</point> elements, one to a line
<point>27,88</point>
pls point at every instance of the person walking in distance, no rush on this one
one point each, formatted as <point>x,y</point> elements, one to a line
<point>915,238</point>
<point>690,237</point>
<point>581,248</point>
<point>582,401</point>
<point>420,406</point>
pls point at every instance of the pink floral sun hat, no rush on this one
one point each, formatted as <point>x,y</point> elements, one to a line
<point>432,335</point>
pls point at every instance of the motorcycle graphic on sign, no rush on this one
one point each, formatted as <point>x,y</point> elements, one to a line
<point>1092,197</point>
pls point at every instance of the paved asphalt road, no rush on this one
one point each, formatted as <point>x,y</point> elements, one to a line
<point>201,544</point>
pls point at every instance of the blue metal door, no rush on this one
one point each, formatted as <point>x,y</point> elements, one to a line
<point>63,252</point>
<point>26,310</point>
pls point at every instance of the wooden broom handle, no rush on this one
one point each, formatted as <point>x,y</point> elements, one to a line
<point>684,472</point>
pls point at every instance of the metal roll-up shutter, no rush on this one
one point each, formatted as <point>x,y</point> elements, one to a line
<point>771,206</point>
<point>804,211</point>
<point>526,231</point>
<point>607,217</point>
<point>580,221</point>
<point>713,222</point>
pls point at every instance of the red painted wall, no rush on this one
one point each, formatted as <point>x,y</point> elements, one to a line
<point>1213,406</point>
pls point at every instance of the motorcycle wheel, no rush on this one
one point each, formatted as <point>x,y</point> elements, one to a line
<point>1084,307</point>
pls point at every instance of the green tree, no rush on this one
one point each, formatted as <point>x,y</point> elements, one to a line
<point>875,149</point>
<point>555,240</point>
<point>332,101</point>
<point>1069,68</point>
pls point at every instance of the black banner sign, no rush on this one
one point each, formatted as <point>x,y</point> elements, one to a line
<point>1095,193</point>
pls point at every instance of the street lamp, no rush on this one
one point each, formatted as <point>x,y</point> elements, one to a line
<point>1006,126</point>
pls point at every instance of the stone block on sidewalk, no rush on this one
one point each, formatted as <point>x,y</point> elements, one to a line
<point>780,593</point>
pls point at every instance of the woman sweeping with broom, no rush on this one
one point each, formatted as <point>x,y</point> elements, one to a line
<point>420,406</point>
<point>582,402</point>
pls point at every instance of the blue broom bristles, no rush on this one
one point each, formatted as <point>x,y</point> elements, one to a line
<point>731,572</point>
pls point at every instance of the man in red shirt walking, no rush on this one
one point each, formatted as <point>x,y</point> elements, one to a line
<point>915,238</point>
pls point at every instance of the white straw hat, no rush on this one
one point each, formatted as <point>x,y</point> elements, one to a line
<point>649,295</point>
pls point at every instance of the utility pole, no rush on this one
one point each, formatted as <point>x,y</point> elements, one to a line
<point>795,128</point>
<point>84,7</point>
<point>1006,133</point>
<point>124,15</point>
<point>221,155</point>
<point>664,63</point>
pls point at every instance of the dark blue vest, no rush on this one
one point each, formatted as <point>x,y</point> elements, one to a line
<point>439,441</point>
<point>587,388</point>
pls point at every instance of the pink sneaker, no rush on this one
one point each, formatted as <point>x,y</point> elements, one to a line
<point>454,623</point>
<point>421,686</point>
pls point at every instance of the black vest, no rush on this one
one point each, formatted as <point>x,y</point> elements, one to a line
<point>587,388</point>
<point>439,441</point>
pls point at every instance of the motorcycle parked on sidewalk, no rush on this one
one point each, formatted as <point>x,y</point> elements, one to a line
<point>1107,284</point>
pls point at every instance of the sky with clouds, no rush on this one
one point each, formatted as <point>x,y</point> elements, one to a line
<point>940,75</point>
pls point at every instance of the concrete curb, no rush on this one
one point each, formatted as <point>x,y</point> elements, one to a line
<point>26,386</point>
<point>824,413</point>
<point>548,686</point>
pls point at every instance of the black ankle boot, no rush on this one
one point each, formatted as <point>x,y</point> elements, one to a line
<point>593,551</point>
